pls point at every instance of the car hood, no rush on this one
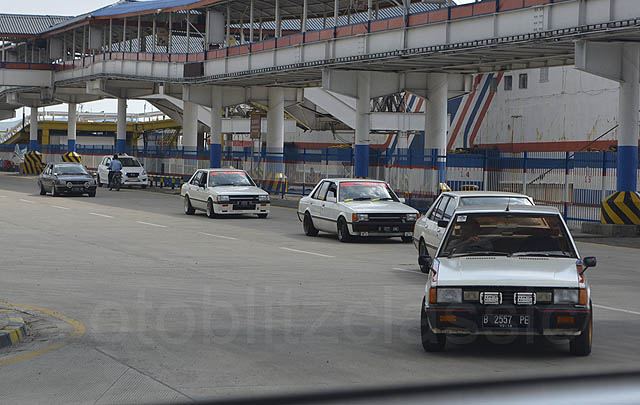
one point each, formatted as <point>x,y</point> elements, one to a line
<point>379,206</point>
<point>237,190</point>
<point>508,271</point>
<point>74,177</point>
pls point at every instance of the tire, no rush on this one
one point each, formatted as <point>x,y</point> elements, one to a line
<point>210,212</point>
<point>144,186</point>
<point>262,216</point>
<point>98,180</point>
<point>343,231</point>
<point>307,225</point>
<point>118,183</point>
<point>54,193</point>
<point>42,190</point>
<point>188,208</point>
<point>431,342</point>
<point>581,345</point>
<point>92,193</point>
<point>407,239</point>
<point>422,251</point>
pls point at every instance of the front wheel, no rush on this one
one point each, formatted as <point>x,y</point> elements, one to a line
<point>98,180</point>
<point>423,257</point>
<point>54,192</point>
<point>210,212</point>
<point>581,345</point>
<point>117,183</point>
<point>343,231</point>
<point>92,193</point>
<point>307,225</point>
<point>144,186</point>
<point>407,239</point>
<point>42,190</point>
<point>431,342</point>
<point>262,216</point>
<point>188,208</point>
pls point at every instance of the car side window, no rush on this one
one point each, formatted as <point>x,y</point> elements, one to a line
<point>439,211</point>
<point>449,210</point>
<point>203,178</point>
<point>322,191</point>
<point>432,214</point>
<point>196,178</point>
<point>332,191</point>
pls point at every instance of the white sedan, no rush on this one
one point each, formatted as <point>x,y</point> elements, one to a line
<point>508,271</point>
<point>222,192</point>
<point>429,229</point>
<point>356,207</point>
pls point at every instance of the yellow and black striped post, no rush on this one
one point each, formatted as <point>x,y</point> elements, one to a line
<point>33,162</point>
<point>72,157</point>
<point>622,207</point>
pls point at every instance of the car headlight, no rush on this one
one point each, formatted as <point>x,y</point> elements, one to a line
<point>412,217</point>
<point>359,217</point>
<point>565,296</point>
<point>263,198</point>
<point>59,181</point>
<point>449,295</point>
<point>222,198</point>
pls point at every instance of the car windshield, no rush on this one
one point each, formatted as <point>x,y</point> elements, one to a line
<point>488,200</point>
<point>364,190</point>
<point>69,169</point>
<point>230,178</point>
<point>129,162</point>
<point>507,234</point>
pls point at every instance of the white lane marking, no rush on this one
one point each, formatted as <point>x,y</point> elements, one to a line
<point>217,236</point>
<point>617,309</point>
<point>406,270</point>
<point>305,252</point>
<point>28,201</point>
<point>100,215</point>
<point>3,196</point>
<point>60,207</point>
<point>150,224</point>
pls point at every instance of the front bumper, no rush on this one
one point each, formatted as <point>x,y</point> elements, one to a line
<point>548,320</point>
<point>381,228</point>
<point>135,181</point>
<point>228,208</point>
<point>75,189</point>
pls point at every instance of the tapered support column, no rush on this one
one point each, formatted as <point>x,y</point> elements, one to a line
<point>33,129</point>
<point>628,105</point>
<point>190,125</point>
<point>363,111</point>
<point>71,127</point>
<point>275,130</point>
<point>436,120</point>
<point>215,137</point>
<point>121,129</point>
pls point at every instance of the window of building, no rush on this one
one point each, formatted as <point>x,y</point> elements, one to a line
<point>508,83</point>
<point>544,75</point>
<point>523,81</point>
<point>494,85</point>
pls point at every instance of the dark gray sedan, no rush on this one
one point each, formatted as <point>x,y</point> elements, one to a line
<point>67,178</point>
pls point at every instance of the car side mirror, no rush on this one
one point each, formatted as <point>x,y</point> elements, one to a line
<point>331,199</point>
<point>588,262</point>
<point>443,223</point>
<point>402,199</point>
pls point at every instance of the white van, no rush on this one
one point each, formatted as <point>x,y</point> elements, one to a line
<point>133,173</point>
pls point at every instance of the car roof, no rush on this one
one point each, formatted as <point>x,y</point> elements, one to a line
<point>345,179</point>
<point>219,169</point>
<point>484,194</point>
<point>67,163</point>
<point>512,208</point>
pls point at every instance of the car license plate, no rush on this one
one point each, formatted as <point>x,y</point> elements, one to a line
<point>506,321</point>
<point>388,229</point>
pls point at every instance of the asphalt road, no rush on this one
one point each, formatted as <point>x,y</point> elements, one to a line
<point>180,307</point>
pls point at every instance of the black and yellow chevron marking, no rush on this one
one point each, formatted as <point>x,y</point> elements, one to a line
<point>33,163</point>
<point>276,183</point>
<point>73,157</point>
<point>166,181</point>
<point>622,207</point>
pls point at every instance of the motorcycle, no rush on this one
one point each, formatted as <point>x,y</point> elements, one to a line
<point>116,180</point>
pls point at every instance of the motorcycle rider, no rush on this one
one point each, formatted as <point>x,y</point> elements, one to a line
<point>114,167</point>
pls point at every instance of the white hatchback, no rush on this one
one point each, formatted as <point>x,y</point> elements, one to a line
<point>224,192</point>
<point>133,173</point>
<point>356,207</point>
<point>429,229</point>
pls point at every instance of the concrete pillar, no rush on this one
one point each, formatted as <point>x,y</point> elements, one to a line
<point>190,125</point>
<point>436,120</point>
<point>33,129</point>
<point>71,128</point>
<point>628,105</point>
<point>275,130</point>
<point>228,145</point>
<point>215,138</point>
<point>121,129</point>
<point>363,111</point>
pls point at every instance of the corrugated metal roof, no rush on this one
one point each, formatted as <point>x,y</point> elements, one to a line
<point>128,6</point>
<point>24,24</point>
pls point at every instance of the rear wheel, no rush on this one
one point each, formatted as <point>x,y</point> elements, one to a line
<point>188,208</point>
<point>343,231</point>
<point>210,212</point>
<point>144,186</point>
<point>422,253</point>
<point>431,342</point>
<point>92,193</point>
<point>42,190</point>
<point>581,345</point>
<point>307,225</point>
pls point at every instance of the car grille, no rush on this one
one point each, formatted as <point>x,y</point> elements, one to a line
<point>508,292</point>
<point>244,202</point>
<point>80,182</point>
<point>132,174</point>
<point>387,217</point>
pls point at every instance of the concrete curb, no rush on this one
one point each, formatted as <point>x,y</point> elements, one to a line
<point>14,332</point>
<point>276,201</point>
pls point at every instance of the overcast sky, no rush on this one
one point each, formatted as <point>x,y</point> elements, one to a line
<point>73,8</point>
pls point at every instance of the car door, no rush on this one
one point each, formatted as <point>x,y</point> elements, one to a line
<point>433,233</point>
<point>330,208</point>
<point>45,177</point>
<point>103,170</point>
<point>194,190</point>
<point>315,205</point>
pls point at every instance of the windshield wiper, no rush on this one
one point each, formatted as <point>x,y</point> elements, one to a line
<point>228,184</point>
<point>382,199</point>
<point>478,253</point>
<point>541,254</point>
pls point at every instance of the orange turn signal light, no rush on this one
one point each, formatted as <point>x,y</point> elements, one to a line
<point>433,296</point>
<point>447,318</point>
<point>565,319</point>
<point>582,300</point>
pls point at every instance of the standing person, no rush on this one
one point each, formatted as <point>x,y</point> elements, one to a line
<point>114,166</point>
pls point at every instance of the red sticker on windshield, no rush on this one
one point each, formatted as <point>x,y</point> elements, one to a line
<point>217,173</point>
<point>363,183</point>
